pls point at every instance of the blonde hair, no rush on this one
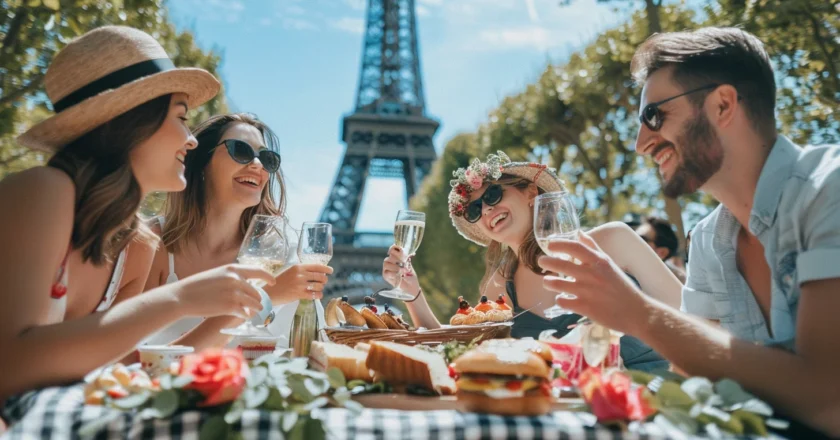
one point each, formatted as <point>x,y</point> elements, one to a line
<point>108,196</point>
<point>500,258</point>
<point>186,211</point>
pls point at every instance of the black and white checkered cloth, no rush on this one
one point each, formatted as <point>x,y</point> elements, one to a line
<point>59,412</point>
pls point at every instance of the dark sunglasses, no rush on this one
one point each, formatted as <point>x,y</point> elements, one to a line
<point>491,197</point>
<point>241,152</point>
<point>653,117</point>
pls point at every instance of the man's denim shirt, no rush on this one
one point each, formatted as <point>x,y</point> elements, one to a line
<point>796,217</point>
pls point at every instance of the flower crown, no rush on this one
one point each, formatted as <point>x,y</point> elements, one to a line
<point>469,179</point>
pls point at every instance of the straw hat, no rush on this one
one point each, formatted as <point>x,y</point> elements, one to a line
<point>477,174</point>
<point>103,74</point>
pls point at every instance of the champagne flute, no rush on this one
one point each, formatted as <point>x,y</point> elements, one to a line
<point>265,246</point>
<point>316,244</point>
<point>408,233</point>
<point>555,217</point>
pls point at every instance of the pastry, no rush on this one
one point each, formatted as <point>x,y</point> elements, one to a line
<point>476,317</point>
<point>460,316</point>
<point>369,314</point>
<point>501,304</point>
<point>333,316</point>
<point>352,316</point>
<point>390,319</point>
<point>484,305</point>
<point>496,316</point>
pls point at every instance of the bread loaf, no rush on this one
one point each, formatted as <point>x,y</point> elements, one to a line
<point>400,364</point>
<point>351,362</point>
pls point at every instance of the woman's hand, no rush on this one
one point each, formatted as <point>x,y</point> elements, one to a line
<point>220,291</point>
<point>301,281</point>
<point>393,268</point>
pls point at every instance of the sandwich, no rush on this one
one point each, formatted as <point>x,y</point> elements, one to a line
<point>506,377</point>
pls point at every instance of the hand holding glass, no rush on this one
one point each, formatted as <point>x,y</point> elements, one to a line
<point>265,246</point>
<point>555,217</point>
<point>408,233</point>
<point>316,244</point>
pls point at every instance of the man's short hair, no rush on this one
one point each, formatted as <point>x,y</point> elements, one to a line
<point>665,235</point>
<point>715,55</point>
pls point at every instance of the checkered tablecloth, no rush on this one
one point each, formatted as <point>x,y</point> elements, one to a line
<point>59,412</point>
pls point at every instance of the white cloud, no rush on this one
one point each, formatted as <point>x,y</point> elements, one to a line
<point>358,5</point>
<point>423,11</point>
<point>265,21</point>
<point>533,37</point>
<point>532,11</point>
<point>298,24</point>
<point>431,2</point>
<point>349,24</point>
<point>295,10</point>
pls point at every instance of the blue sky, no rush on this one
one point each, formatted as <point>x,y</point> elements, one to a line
<point>295,64</point>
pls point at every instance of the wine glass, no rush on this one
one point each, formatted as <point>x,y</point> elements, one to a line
<point>315,245</point>
<point>408,233</point>
<point>555,217</point>
<point>266,247</point>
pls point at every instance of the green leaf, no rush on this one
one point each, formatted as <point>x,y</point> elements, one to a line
<point>731,392</point>
<point>336,378</point>
<point>721,419</point>
<point>275,401</point>
<point>314,429</point>
<point>342,395</point>
<point>678,419</point>
<point>320,402</point>
<point>698,388</point>
<point>182,381</point>
<point>52,4</point>
<point>165,381</point>
<point>755,406</point>
<point>166,403</point>
<point>213,428</point>
<point>91,428</point>
<point>354,407</point>
<point>669,375</point>
<point>356,383</point>
<point>254,397</point>
<point>299,390</point>
<point>670,395</point>
<point>316,387</point>
<point>753,423</point>
<point>132,401</point>
<point>234,414</point>
<point>289,420</point>
<point>34,3</point>
<point>640,377</point>
<point>257,376</point>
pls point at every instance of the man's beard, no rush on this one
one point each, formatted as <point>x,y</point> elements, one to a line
<point>701,156</point>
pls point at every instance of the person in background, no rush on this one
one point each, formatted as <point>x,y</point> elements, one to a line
<point>660,236</point>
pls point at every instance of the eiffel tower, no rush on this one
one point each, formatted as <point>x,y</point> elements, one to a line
<point>387,135</point>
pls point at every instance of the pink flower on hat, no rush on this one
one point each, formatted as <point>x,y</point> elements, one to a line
<point>474,179</point>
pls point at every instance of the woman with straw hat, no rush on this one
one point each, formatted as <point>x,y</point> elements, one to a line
<point>491,204</point>
<point>119,132</point>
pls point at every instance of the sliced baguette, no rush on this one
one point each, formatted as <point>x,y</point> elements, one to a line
<point>400,364</point>
<point>324,355</point>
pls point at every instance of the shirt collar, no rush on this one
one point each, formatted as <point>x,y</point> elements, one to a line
<point>776,171</point>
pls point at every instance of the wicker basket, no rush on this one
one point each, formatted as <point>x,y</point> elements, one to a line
<point>462,333</point>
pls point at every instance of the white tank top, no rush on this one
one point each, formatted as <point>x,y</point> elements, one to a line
<point>281,326</point>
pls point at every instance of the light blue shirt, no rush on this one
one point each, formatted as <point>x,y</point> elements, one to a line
<point>796,217</point>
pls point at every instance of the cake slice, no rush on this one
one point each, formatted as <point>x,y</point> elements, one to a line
<point>324,355</point>
<point>399,364</point>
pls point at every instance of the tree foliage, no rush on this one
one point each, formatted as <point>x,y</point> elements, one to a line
<point>32,32</point>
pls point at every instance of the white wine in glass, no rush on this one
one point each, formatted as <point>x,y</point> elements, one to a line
<point>266,247</point>
<point>555,217</point>
<point>314,247</point>
<point>408,233</point>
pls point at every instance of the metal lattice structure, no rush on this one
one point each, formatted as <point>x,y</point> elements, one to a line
<point>387,135</point>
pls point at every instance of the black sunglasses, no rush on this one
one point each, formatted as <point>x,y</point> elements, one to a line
<point>653,117</point>
<point>241,152</point>
<point>491,197</point>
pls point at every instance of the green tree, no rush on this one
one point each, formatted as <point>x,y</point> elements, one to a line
<point>32,31</point>
<point>448,265</point>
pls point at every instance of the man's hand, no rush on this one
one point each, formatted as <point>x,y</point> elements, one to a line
<point>604,293</point>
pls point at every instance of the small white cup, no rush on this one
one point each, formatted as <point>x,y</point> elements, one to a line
<point>156,359</point>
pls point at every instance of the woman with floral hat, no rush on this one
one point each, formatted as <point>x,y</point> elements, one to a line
<point>491,204</point>
<point>119,133</point>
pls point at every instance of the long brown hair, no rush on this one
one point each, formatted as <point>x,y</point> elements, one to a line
<point>186,212</point>
<point>108,195</point>
<point>500,258</point>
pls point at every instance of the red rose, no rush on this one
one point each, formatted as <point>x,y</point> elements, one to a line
<point>612,397</point>
<point>219,375</point>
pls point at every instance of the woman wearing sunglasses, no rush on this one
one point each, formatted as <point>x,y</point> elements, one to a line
<point>498,213</point>
<point>233,174</point>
